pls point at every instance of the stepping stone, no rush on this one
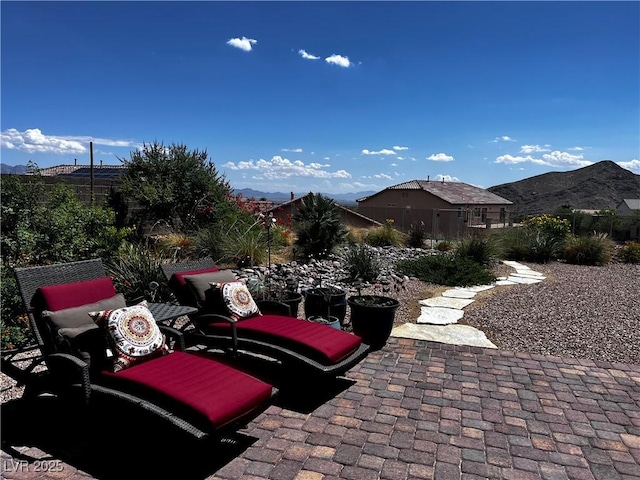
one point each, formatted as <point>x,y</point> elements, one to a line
<point>450,334</point>
<point>446,302</point>
<point>439,315</point>
<point>516,265</point>
<point>525,280</point>
<point>459,293</point>
<point>479,288</point>
<point>531,274</point>
<point>504,281</point>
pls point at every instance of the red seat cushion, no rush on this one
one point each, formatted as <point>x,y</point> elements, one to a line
<point>68,295</point>
<point>216,391</point>
<point>179,286</point>
<point>320,342</point>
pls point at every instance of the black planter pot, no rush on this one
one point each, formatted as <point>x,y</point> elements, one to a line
<point>323,301</point>
<point>293,300</point>
<point>372,318</point>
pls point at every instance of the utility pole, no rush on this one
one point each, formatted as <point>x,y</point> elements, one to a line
<point>93,198</point>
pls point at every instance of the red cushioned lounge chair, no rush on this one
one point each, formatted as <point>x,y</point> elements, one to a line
<point>199,395</point>
<point>316,348</point>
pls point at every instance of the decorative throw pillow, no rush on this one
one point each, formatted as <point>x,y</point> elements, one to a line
<point>200,286</point>
<point>237,299</point>
<point>132,333</point>
<point>70,322</point>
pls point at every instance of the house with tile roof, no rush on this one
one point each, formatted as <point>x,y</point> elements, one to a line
<point>285,212</point>
<point>443,209</point>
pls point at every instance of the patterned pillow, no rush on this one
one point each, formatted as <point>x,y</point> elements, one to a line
<point>132,333</point>
<point>238,300</point>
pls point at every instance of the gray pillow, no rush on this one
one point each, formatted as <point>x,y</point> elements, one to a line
<point>71,322</point>
<point>199,284</point>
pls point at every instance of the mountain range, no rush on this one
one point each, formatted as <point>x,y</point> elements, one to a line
<point>600,186</point>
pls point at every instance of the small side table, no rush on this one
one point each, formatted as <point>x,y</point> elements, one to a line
<point>166,312</point>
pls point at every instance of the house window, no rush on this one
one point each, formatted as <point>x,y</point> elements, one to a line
<point>459,213</point>
<point>503,215</point>
<point>484,214</point>
<point>476,212</point>
<point>391,204</point>
<point>405,194</point>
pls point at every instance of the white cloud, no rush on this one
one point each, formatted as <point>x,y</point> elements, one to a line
<point>561,159</point>
<point>553,159</point>
<point>339,60</point>
<point>633,165</point>
<point>280,168</point>
<point>503,138</point>
<point>512,160</point>
<point>243,43</point>
<point>532,149</point>
<point>308,56</point>
<point>33,140</point>
<point>576,149</point>
<point>397,148</point>
<point>294,150</point>
<point>440,157</point>
<point>383,176</point>
<point>446,178</point>
<point>384,151</point>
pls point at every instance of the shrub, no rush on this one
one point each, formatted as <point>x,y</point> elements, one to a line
<point>478,248</point>
<point>417,236</point>
<point>385,236</point>
<point>515,244</point>
<point>444,246</point>
<point>629,252</point>
<point>362,263</point>
<point>135,270</point>
<point>450,270</point>
<point>593,249</point>
<point>14,325</point>
<point>356,236</point>
<point>531,243</point>
<point>318,226</point>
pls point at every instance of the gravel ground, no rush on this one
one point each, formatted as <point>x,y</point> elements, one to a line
<point>577,311</point>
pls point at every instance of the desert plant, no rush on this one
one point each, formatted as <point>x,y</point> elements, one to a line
<point>480,248</point>
<point>595,249</point>
<point>446,270</point>
<point>514,244</point>
<point>629,252</point>
<point>385,236</point>
<point>416,236</point>
<point>136,273</point>
<point>362,263</point>
<point>318,226</point>
<point>444,246</point>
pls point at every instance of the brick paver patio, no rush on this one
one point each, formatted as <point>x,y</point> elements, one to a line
<point>414,409</point>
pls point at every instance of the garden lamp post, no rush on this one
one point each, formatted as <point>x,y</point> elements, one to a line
<point>271,220</point>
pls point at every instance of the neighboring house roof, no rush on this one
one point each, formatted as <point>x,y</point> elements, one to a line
<point>83,170</point>
<point>631,203</point>
<point>343,209</point>
<point>455,193</point>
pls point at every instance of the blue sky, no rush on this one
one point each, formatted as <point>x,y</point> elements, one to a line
<point>326,96</point>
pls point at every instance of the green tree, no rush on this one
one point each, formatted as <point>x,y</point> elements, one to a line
<point>318,226</point>
<point>174,184</point>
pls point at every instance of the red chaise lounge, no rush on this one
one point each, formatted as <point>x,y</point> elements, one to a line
<point>199,395</point>
<point>318,349</point>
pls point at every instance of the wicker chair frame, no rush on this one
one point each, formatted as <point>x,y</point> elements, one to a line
<point>292,361</point>
<point>69,376</point>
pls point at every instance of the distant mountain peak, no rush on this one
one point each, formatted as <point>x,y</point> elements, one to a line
<point>600,186</point>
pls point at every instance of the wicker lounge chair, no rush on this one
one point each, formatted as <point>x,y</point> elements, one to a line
<point>299,345</point>
<point>199,395</point>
